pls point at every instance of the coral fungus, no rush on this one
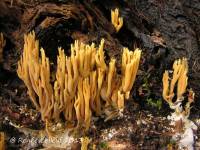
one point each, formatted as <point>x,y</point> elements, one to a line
<point>84,83</point>
<point>2,45</point>
<point>183,127</point>
<point>116,20</point>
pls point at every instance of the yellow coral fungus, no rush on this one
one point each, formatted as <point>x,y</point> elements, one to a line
<point>180,69</point>
<point>111,77</point>
<point>116,20</point>
<point>2,45</point>
<point>182,110</point>
<point>130,64</point>
<point>83,81</point>
<point>2,141</point>
<point>166,87</point>
<point>84,143</point>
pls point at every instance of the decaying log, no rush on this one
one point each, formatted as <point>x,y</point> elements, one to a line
<point>165,30</point>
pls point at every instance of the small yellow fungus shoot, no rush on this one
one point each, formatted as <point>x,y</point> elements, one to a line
<point>2,45</point>
<point>116,20</point>
<point>84,143</point>
<point>2,141</point>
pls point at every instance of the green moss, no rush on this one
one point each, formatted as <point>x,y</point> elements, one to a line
<point>104,146</point>
<point>154,103</point>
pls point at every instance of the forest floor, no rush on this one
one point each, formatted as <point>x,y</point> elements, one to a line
<point>164,30</point>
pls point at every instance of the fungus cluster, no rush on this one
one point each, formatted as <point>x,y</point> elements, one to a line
<point>183,127</point>
<point>84,83</point>
<point>179,79</point>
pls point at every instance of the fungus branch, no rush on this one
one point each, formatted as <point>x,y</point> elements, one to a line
<point>2,45</point>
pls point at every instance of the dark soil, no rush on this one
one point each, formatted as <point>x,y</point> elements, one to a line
<point>164,30</point>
